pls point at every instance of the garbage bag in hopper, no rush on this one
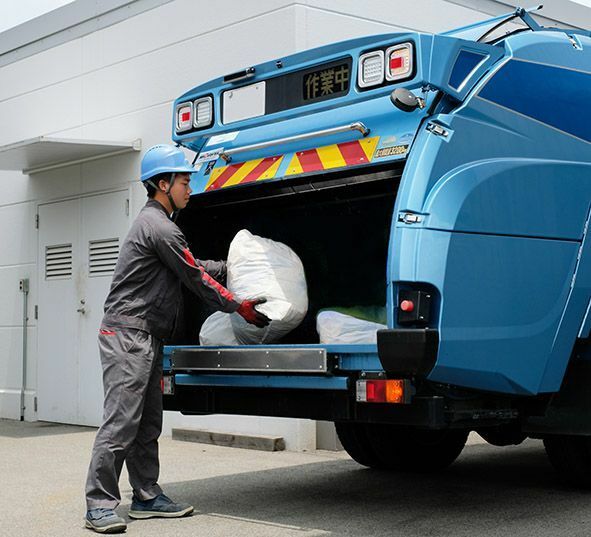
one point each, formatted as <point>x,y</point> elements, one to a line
<point>337,328</point>
<point>259,267</point>
<point>217,331</point>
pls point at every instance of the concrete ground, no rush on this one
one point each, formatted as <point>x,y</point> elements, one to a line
<point>488,491</point>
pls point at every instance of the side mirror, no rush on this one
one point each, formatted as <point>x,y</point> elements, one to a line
<point>406,100</point>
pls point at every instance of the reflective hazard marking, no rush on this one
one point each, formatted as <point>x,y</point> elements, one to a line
<point>333,156</point>
<point>244,172</point>
<point>327,157</point>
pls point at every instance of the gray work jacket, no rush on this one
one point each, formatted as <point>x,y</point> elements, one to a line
<point>153,262</point>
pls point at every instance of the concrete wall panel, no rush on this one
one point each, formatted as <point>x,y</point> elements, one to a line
<point>168,24</point>
<point>18,241</point>
<point>41,112</point>
<point>11,314</point>
<point>41,70</point>
<point>421,15</point>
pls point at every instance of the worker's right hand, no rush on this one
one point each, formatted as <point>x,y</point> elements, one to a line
<point>251,315</point>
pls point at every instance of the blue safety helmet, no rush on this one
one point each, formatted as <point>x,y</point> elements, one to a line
<point>164,158</point>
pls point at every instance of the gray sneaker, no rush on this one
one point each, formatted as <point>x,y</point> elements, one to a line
<point>160,506</point>
<point>105,521</point>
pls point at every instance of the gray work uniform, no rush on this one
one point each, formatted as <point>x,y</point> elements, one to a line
<point>140,313</point>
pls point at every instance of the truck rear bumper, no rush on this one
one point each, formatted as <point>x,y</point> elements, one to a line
<point>328,405</point>
<point>408,352</point>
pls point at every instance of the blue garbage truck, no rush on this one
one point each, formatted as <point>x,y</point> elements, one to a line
<point>446,177</point>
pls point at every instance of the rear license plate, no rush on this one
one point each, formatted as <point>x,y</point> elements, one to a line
<point>243,103</point>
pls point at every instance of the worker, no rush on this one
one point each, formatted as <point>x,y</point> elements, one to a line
<point>140,312</point>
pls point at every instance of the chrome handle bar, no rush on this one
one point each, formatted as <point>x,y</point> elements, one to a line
<point>357,126</point>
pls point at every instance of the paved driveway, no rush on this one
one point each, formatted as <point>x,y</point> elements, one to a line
<point>487,492</point>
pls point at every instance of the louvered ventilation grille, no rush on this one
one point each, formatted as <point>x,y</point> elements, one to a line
<point>58,262</point>
<point>102,256</point>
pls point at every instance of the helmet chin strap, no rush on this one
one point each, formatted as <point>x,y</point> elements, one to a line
<point>175,209</point>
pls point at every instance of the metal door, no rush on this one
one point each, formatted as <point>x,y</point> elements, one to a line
<point>57,367</point>
<point>79,244</point>
<point>104,225</point>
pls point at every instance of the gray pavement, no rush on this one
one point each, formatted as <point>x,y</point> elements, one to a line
<point>487,492</point>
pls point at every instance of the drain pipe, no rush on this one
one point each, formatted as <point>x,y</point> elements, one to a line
<point>24,288</point>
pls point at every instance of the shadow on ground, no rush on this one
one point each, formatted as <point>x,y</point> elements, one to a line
<point>488,491</point>
<point>25,429</point>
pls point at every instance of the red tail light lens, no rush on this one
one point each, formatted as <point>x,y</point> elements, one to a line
<point>395,391</point>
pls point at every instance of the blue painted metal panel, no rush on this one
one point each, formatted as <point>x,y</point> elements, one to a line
<point>512,196</point>
<point>555,96</point>
<point>571,320</point>
<point>260,381</point>
<point>502,303</point>
<point>360,362</point>
<point>585,330</point>
<point>551,48</point>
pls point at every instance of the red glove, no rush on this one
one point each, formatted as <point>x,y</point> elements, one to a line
<point>251,315</point>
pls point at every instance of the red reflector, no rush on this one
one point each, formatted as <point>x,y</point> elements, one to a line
<point>396,63</point>
<point>186,116</point>
<point>407,305</point>
<point>162,385</point>
<point>376,391</point>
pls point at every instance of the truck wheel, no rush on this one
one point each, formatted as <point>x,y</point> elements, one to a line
<point>354,439</point>
<point>571,456</point>
<point>415,450</point>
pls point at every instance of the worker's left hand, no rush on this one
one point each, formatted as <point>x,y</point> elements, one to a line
<point>251,315</point>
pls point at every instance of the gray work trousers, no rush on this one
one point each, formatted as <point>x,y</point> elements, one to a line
<point>132,418</point>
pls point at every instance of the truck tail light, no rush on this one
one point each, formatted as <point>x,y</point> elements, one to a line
<point>398,61</point>
<point>167,384</point>
<point>396,391</point>
<point>371,69</point>
<point>184,117</point>
<point>203,112</point>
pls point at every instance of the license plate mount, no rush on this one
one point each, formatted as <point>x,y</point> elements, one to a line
<point>243,103</point>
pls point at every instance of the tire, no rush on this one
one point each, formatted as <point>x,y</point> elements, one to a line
<point>354,439</point>
<point>392,447</point>
<point>416,450</point>
<point>571,457</point>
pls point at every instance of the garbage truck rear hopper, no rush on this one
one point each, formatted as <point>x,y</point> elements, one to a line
<point>447,177</point>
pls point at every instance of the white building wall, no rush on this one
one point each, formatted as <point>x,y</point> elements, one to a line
<point>118,83</point>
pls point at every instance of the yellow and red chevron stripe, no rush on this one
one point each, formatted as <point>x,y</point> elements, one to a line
<point>244,172</point>
<point>333,156</point>
<point>321,158</point>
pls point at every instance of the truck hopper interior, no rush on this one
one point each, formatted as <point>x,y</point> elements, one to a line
<point>338,224</point>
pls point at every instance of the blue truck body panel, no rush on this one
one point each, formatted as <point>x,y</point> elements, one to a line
<point>503,196</point>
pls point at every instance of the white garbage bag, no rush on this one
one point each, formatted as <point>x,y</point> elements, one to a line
<point>217,331</point>
<point>259,267</point>
<point>337,328</point>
